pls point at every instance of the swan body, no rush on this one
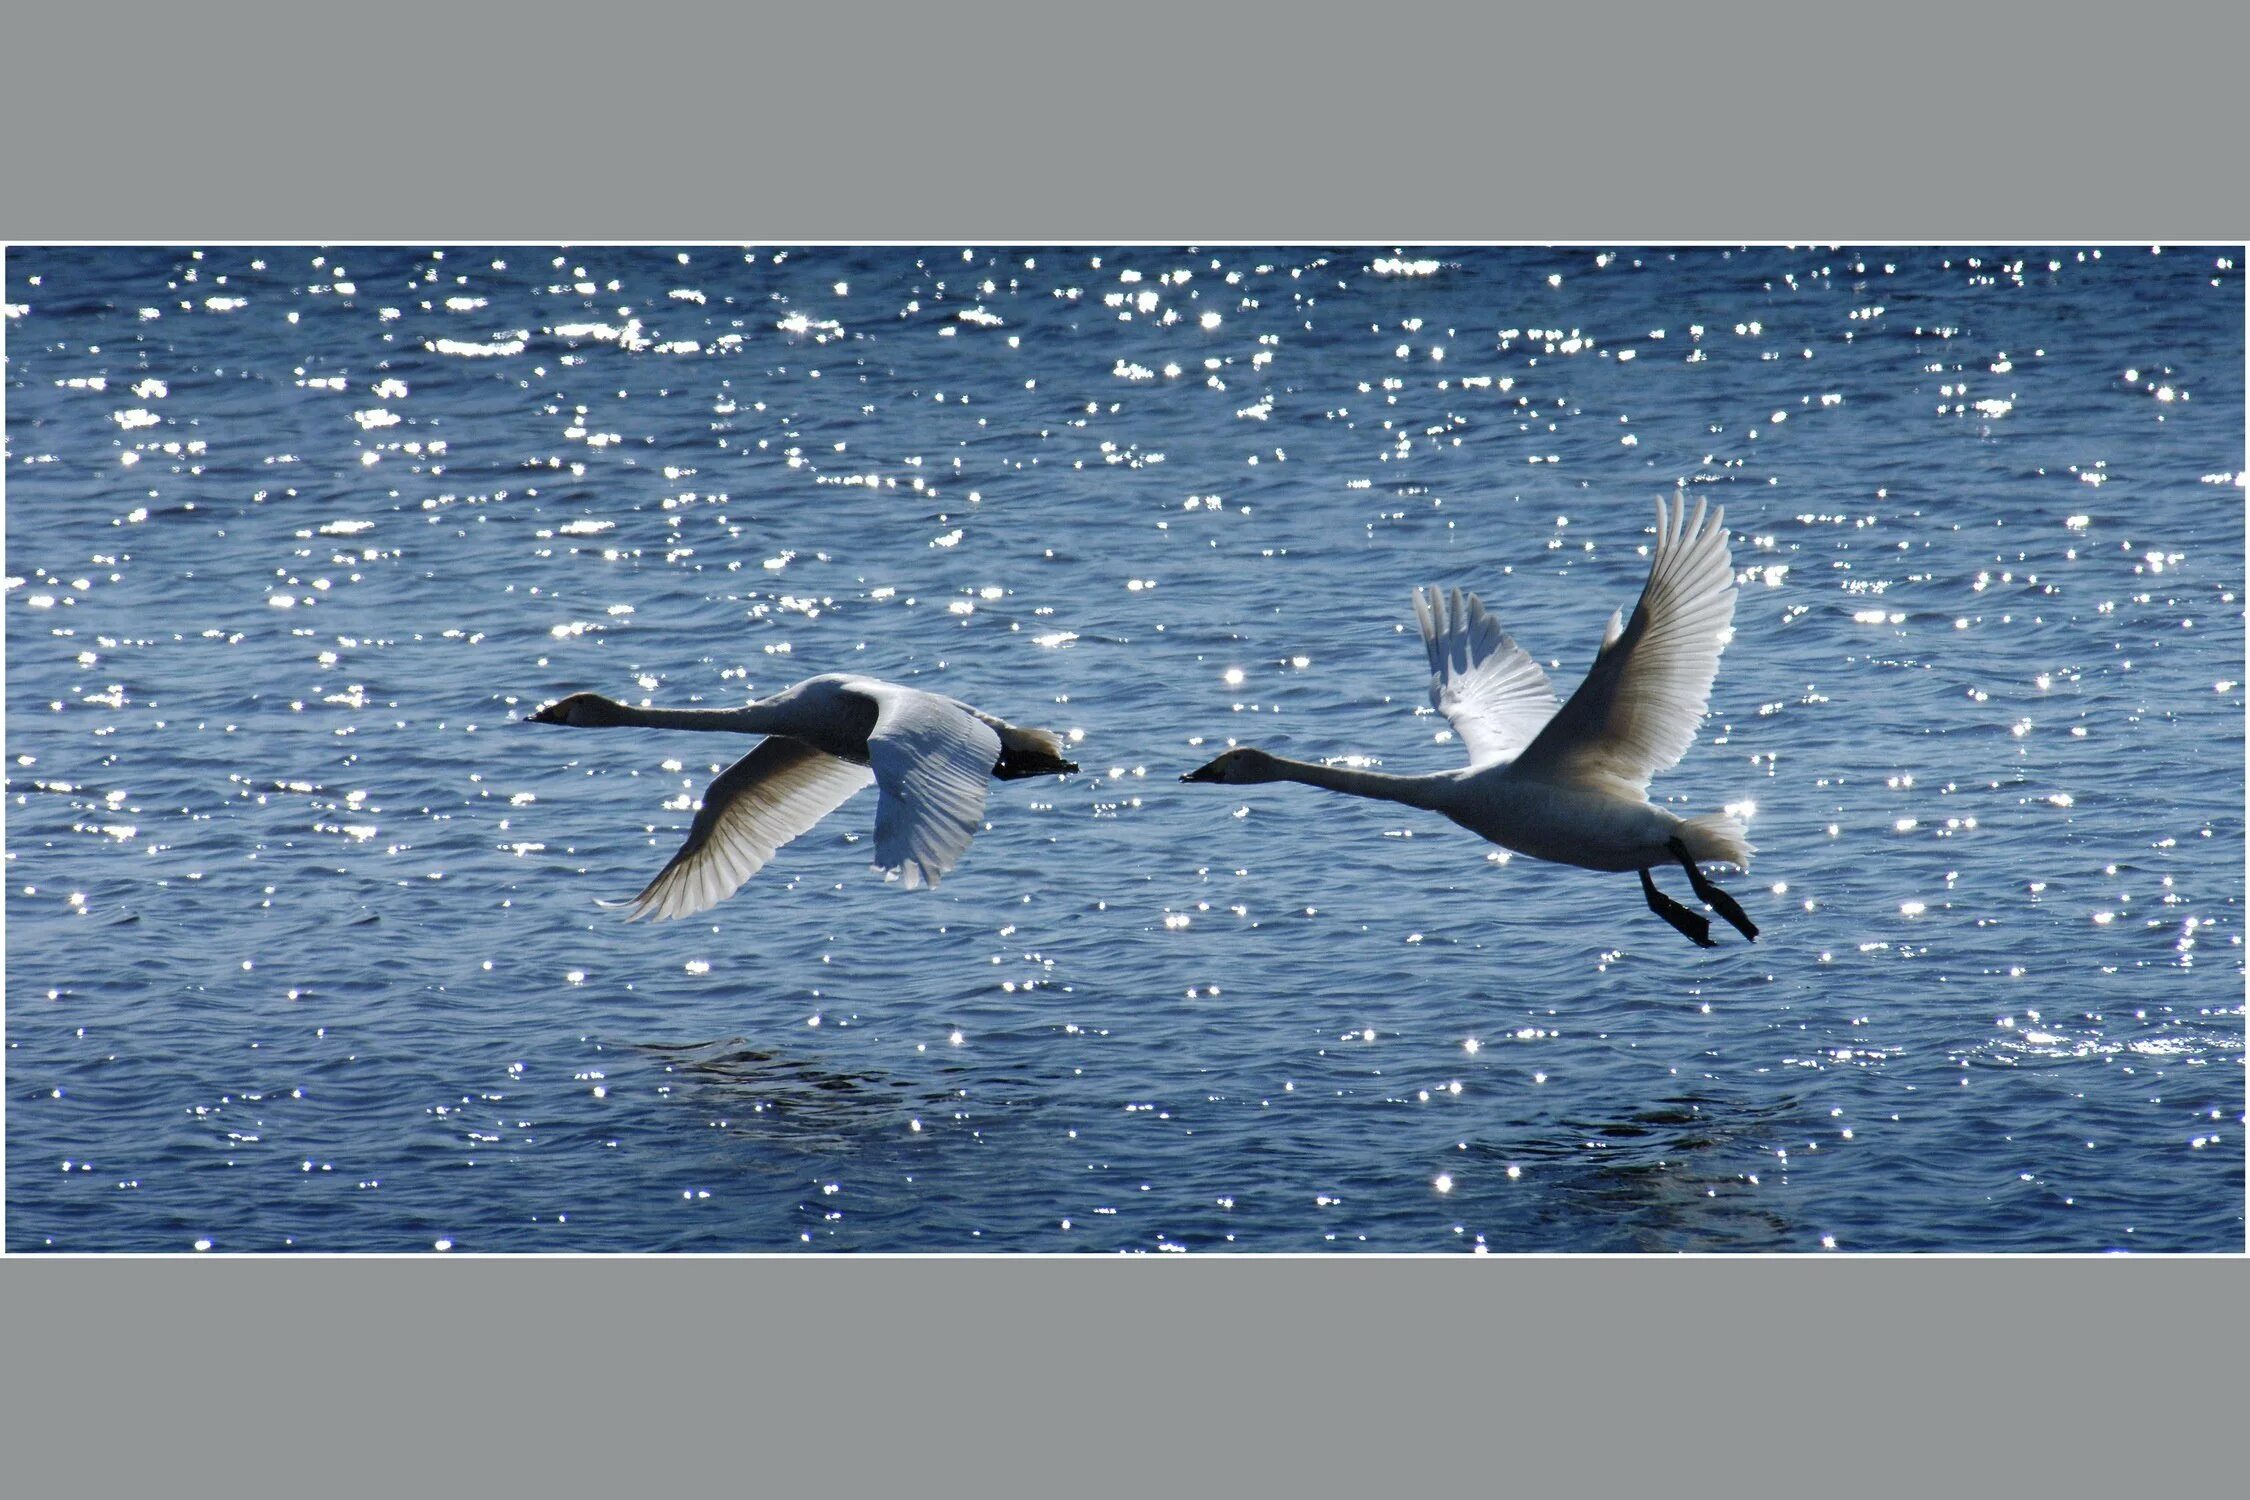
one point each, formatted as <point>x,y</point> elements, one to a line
<point>826,739</point>
<point>1568,781</point>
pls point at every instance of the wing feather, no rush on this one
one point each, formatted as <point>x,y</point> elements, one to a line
<point>933,760</point>
<point>753,807</point>
<point>1638,710</point>
<point>1487,686</point>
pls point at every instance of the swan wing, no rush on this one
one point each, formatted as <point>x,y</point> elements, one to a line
<point>762,801</point>
<point>1638,709</point>
<point>933,759</point>
<point>1486,685</point>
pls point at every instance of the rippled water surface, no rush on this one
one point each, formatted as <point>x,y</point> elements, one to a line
<point>302,948</point>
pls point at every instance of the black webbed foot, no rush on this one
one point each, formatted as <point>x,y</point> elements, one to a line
<point>1697,928</point>
<point>1718,900</point>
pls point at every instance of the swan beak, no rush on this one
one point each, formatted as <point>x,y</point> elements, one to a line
<point>1203,773</point>
<point>550,714</point>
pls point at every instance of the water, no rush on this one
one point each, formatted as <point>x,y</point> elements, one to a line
<point>302,949</point>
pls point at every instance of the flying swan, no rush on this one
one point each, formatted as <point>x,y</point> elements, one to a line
<point>826,738</point>
<point>1570,783</point>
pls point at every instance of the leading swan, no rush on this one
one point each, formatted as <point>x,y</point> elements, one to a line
<point>826,738</point>
<point>1570,783</point>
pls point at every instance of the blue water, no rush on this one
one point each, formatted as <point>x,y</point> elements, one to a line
<point>302,949</point>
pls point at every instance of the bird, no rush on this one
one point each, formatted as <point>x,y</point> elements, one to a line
<point>1568,782</point>
<point>826,738</point>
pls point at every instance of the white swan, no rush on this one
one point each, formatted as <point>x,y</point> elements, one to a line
<point>1570,783</point>
<point>828,737</point>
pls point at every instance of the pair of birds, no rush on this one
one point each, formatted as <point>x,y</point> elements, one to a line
<point>1566,782</point>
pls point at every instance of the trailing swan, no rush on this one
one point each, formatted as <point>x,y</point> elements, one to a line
<point>1569,782</point>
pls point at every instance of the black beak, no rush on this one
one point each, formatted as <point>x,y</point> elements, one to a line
<point>1203,773</point>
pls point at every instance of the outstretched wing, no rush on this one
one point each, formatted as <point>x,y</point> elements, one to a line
<point>933,759</point>
<point>752,808</point>
<point>1638,709</point>
<point>1487,686</point>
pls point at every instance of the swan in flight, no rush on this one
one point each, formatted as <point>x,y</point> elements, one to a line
<point>826,738</point>
<point>1569,783</point>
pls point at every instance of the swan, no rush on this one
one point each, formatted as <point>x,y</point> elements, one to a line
<point>1569,783</point>
<point>826,738</point>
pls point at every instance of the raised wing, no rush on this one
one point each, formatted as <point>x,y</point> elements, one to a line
<point>752,808</point>
<point>933,759</point>
<point>1486,685</point>
<point>1638,709</point>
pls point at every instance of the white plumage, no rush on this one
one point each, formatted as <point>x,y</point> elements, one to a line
<point>1569,782</point>
<point>928,756</point>
<point>762,801</point>
<point>932,758</point>
<point>1638,709</point>
<point>1487,686</point>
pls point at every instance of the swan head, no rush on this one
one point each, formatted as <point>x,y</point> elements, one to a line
<point>1238,768</point>
<point>580,711</point>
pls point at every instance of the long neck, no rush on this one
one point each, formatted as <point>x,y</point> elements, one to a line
<point>1414,791</point>
<point>752,718</point>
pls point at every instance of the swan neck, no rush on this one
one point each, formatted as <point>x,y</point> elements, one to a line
<point>1413,791</point>
<point>753,718</point>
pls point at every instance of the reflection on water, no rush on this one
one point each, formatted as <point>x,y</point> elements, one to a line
<point>789,1101</point>
<point>302,943</point>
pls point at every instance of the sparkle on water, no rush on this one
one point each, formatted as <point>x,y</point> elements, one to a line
<point>302,949</point>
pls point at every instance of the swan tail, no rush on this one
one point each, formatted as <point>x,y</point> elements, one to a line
<point>1030,752</point>
<point>1717,839</point>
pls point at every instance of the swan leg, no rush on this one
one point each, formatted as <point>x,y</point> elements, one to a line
<point>1696,928</point>
<point>1718,900</point>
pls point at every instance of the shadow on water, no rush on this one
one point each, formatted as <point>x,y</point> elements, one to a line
<point>1658,1180</point>
<point>781,1098</point>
